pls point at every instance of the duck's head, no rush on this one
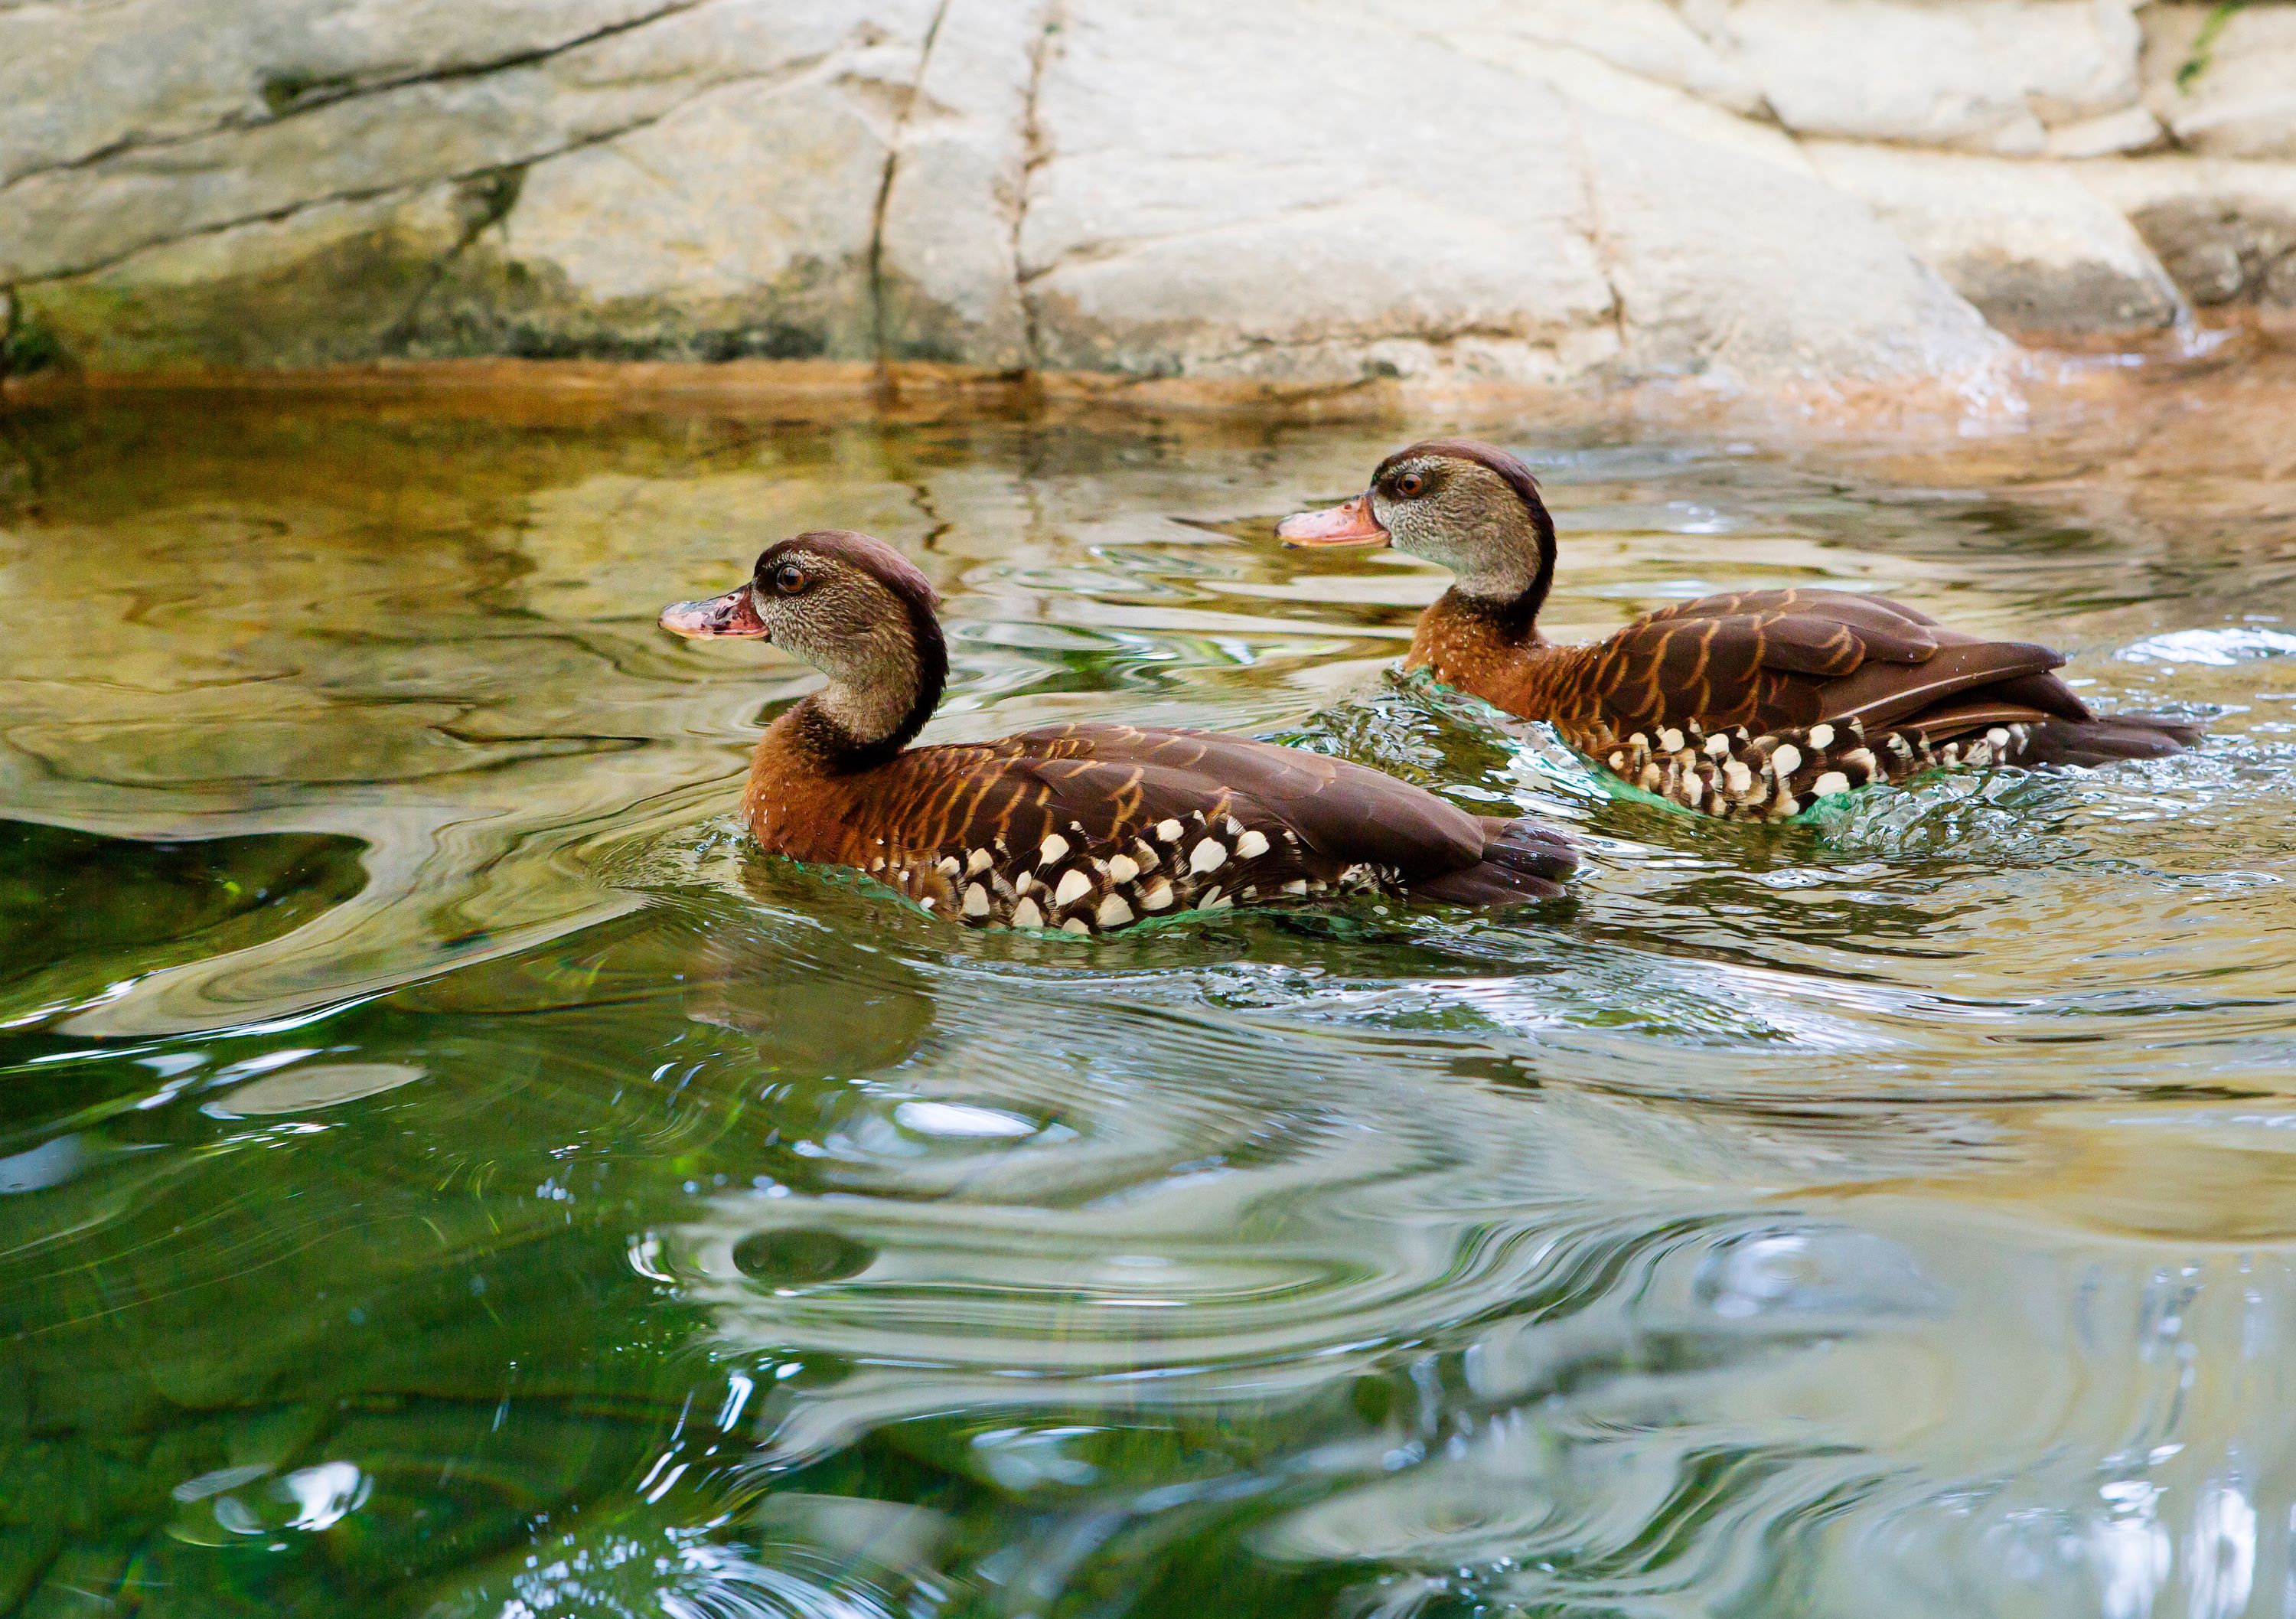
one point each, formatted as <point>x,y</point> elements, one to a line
<point>858,611</point>
<point>1464,505</point>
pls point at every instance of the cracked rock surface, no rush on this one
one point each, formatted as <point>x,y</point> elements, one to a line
<point>1296,194</point>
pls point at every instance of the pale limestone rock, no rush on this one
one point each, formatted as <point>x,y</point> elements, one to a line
<point>62,221</point>
<point>740,224</point>
<point>1179,197</point>
<point>949,282</point>
<point>2131,129</point>
<point>2225,230</point>
<point>329,283</point>
<point>1635,58</point>
<point>1647,39</point>
<point>413,134</point>
<point>1594,84</point>
<point>1301,206</point>
<point>1306,194</point>
<point>2026,243</point>
<point>145,71</point>
<point>1741,271</point>
<point>2237,94</point>
<point>1980,75</point>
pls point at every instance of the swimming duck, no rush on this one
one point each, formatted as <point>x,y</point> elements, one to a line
<point>1753,705</point>
<point>1084,828</point>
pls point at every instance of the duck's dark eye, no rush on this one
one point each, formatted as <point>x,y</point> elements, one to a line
<point>788,579</point>
<point>1411,485</point>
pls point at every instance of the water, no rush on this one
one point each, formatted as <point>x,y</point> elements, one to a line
<point>444,1174</point>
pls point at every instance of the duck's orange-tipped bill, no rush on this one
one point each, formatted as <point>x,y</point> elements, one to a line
<point>734,613</point>
<point>1347,523</point>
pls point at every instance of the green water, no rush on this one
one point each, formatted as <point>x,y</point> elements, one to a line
<point>444,1174</point>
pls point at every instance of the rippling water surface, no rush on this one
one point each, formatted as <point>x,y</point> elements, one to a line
<point>443,1173</point>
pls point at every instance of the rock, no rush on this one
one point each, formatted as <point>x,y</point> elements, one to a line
<point>147,72</point>
<point>1179,195</point>
<point>1701,255</point>
<point>1295,196</point>
<point>738,225</point>
<point>328,284</point>
<point>2226,231</point>
<point>2129,131</point>
<point>66,221</point>
<point>1647,38</point>
<point>2026,243</point>
<point>406,134</point>
<point>700,186</point>
<point>1979,75</point>
<point>1635,58</point>
<point>1592,83</point>
<point>1299,205</point>
<point>949,279</point>
<point>2224,83</point>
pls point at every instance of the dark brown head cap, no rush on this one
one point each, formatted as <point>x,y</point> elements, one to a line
<point>865,552</point>
<point>1510,466</point>
<point>1520,607</point>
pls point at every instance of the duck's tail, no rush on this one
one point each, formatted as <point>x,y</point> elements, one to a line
<point>1522,861</point>
<point>2101,740</point>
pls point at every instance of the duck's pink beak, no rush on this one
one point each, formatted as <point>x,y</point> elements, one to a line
<point>1347,523</point>
<point>734,613</point>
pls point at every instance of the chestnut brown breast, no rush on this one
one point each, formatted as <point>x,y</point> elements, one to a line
<point>1090,827</point>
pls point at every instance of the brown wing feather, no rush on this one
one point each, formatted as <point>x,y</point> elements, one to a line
<point>1784,659</point>
<point>1116,778</point>
<point>1883,695</point>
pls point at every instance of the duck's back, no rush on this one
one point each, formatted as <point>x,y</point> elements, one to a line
<point>1784,659</point>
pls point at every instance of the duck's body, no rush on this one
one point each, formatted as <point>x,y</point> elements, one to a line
<point>1088,828</point>
<point>1749,704</point>
<point>1081,828</point>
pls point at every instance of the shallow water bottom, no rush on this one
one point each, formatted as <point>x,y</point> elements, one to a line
<point>446,1173</point>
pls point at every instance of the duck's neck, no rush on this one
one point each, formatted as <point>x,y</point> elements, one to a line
<point>1484,645</point>
<point>885,687</point>
<point>1501,570</point>
<point>1505,613</point>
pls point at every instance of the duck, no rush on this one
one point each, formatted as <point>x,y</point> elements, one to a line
<point>1751,704</point>
<point>1083,828</point>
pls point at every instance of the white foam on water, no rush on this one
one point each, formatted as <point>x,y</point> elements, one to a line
<point>2219,648</point>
